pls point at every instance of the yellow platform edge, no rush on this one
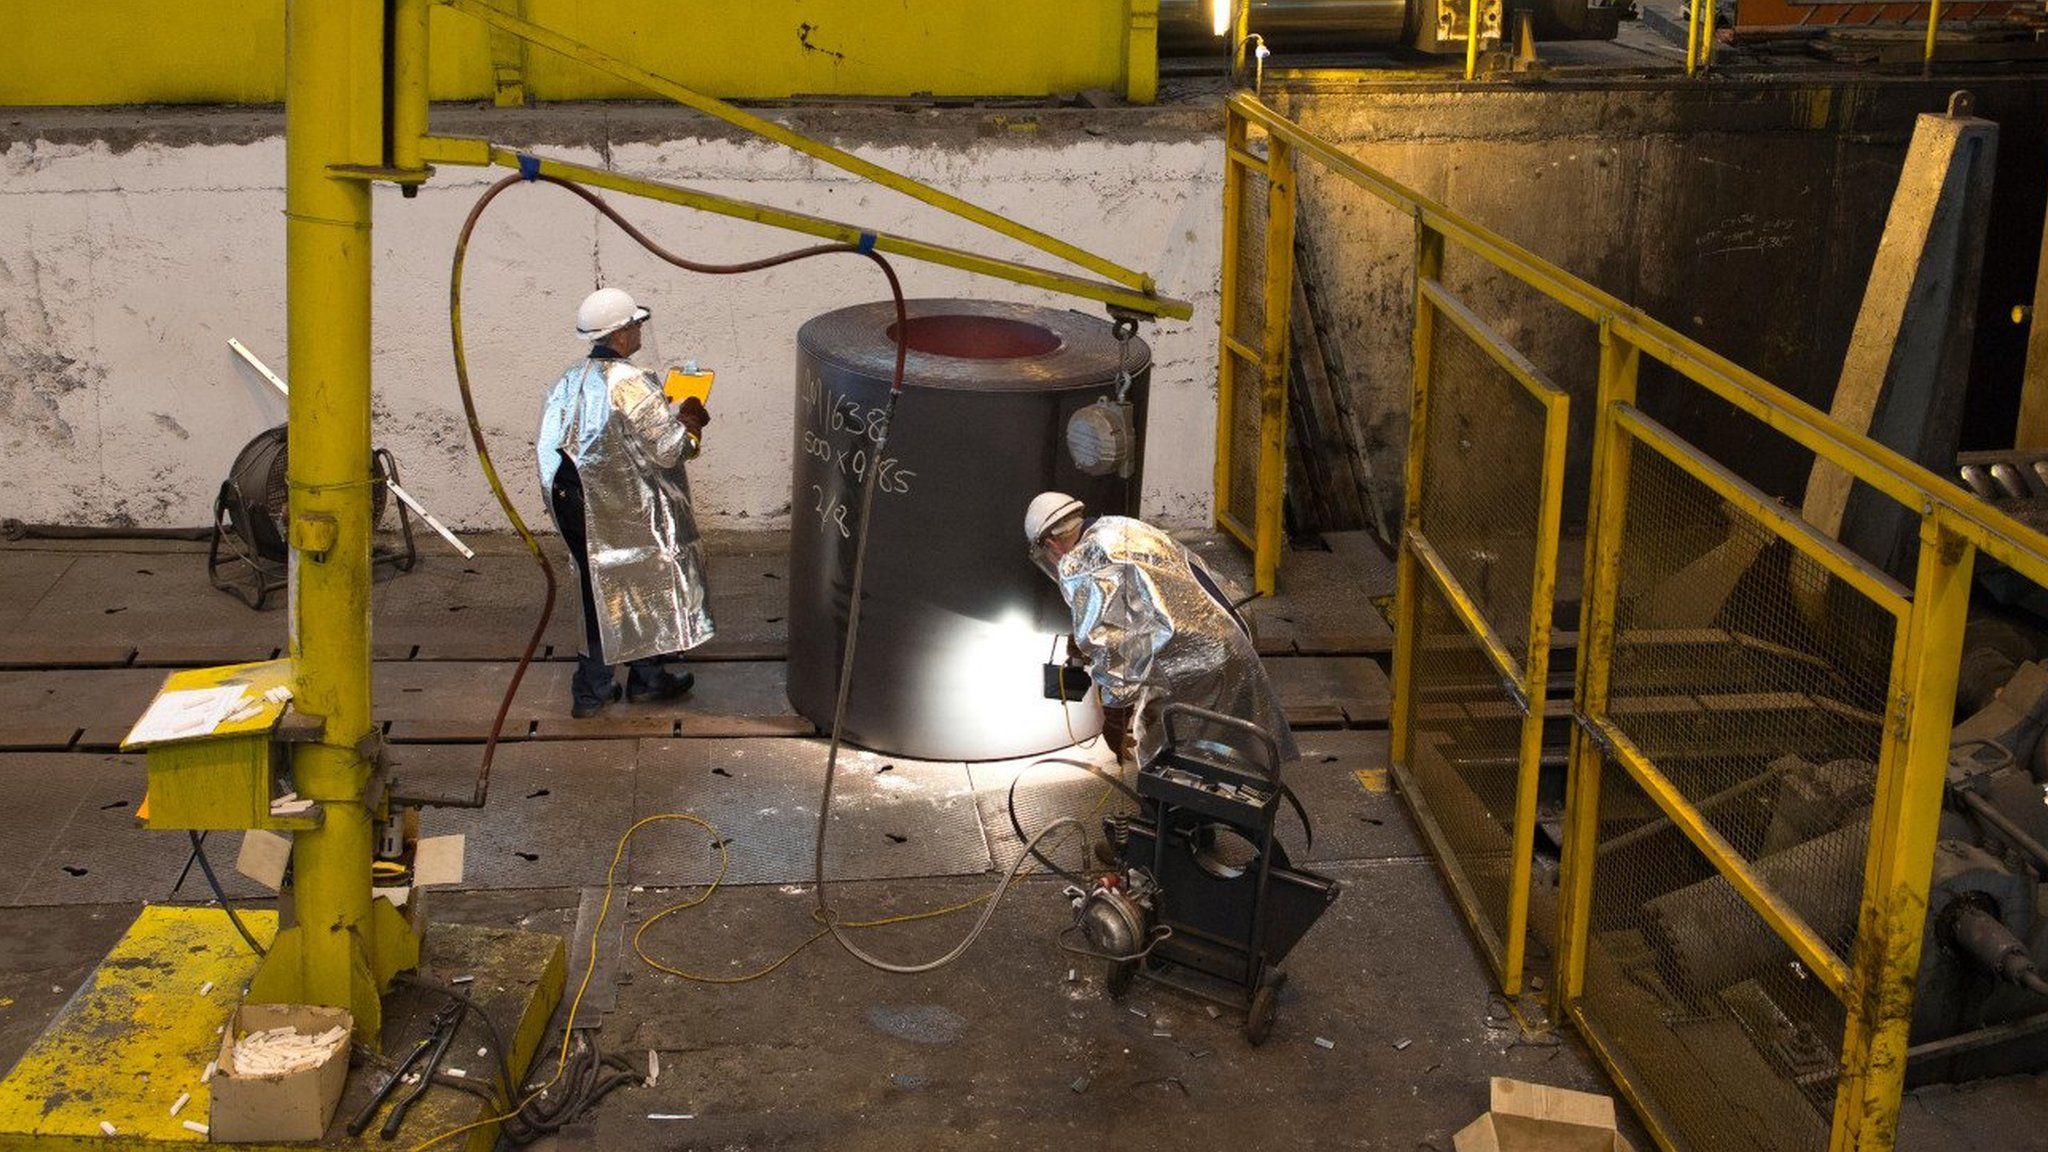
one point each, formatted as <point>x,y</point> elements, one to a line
<point>140,1031</point>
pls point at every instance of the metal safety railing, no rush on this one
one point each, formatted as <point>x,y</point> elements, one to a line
<point>1472,654</point>
<point>1258,281</point>
<point>1759,721</point>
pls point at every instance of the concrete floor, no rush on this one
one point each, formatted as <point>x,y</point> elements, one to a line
<point>1387,1032</point>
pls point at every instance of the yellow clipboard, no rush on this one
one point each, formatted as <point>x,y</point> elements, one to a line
<point>681,385</point>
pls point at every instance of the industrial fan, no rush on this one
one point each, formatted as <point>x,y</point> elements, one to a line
<point>249,556</point>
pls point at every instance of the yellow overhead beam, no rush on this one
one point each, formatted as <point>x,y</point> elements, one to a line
<point>816,149</point>
<point>232,51</point>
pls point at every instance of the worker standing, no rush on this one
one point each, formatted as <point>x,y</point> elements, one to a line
<point>1152,623</point>
<point>611,454</point>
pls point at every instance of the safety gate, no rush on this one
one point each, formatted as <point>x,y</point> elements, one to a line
<point>1478,567</point>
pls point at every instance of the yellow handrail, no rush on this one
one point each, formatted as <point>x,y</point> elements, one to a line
<point>1999,535</point>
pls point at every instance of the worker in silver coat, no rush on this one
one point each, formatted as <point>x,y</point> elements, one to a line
<point>1152,623</point>
<point>611,454</point>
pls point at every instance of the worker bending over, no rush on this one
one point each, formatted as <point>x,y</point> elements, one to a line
<point>1153,625</point>
<point>611,454</point>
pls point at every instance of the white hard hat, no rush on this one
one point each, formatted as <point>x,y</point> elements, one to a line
<point>1047,511</point>
<point>605,311</point>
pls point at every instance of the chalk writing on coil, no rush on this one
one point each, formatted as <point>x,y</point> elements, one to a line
<point>852,462</point>
<point>831,512</point>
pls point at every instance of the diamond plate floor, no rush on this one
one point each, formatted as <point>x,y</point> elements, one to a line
<point>892,817</point>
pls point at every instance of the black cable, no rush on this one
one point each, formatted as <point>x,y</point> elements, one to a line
<point>227,905</point>
<point>191,858</point>
<point>1018,827</point>
<point>592,1074</point>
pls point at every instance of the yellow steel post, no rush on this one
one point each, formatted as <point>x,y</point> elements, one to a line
<point>1535,686</point>
<point>1692,37</point>
<point>409,83</point>
<point>1234,140</point>
<point>1141,51</point>
<point>1933,26</point>
<point>1429,265</point>
<point>1472,40</point>
<point>1272,482</point>
<point>1905,822</point>
<point>1620,362</point>
<point>1707,36</point>
<point>334,96</point>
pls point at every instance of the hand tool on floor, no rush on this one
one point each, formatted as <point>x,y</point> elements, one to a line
<point>447,1023</point>
<point>440,1032</point>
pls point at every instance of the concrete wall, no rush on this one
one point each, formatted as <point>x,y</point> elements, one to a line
<point>1743,212</point>
<point>136,243</point>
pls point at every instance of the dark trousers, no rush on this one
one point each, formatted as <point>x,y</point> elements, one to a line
<point>592,683</point>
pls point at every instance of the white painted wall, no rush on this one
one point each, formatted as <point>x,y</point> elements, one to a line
<point>123,273</point>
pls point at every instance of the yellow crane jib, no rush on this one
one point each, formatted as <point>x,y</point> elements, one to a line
<point>413,150</point>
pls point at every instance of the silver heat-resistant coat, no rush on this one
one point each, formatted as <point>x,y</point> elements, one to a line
<point>1155,636</point>
<point>610,418</point>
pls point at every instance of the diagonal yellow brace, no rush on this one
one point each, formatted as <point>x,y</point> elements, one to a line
<point>447,150</point>
<point>816,149</point>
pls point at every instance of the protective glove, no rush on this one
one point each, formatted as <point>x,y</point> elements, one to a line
<point>693,414</point>
<point>1116,732</point>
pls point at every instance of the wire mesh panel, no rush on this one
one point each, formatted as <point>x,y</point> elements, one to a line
<point>1250,259</point>
<point>1482,480</point>
<point>1245,310</point>
<point>1747,682</point>
<point>1706,1013</point>
<point>1241,503</point>
<point>1462,764</point>
<point>1755,681</point>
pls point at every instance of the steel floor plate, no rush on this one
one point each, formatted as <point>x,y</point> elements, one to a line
<point>1342,781</point>
<point>71,831</point>
<point>1354,685</point>
<point>892,818</point>
<point>557,808</point>
<point>1045,791</point>
<point>160,602</point>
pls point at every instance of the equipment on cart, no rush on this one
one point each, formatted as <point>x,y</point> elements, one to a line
<point>248,556</point>
<point>1201,882</point>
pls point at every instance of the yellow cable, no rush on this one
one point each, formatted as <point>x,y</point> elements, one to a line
<point>724,865</point>
<point>590,965</point>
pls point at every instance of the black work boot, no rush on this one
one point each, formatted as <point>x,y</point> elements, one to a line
<point>583,705</point>
<point>665,685</point>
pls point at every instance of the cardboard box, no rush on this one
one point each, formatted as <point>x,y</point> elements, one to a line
<point>286,1106</point>
<point>1539,1118</point>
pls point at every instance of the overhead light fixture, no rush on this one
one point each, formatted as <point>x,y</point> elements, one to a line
<point>1219,16</point>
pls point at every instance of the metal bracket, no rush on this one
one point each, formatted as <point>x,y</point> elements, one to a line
<point>314,534</point>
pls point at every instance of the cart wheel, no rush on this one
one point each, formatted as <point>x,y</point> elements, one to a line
<point>1118,980</point>
<point>1258,1019</point>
